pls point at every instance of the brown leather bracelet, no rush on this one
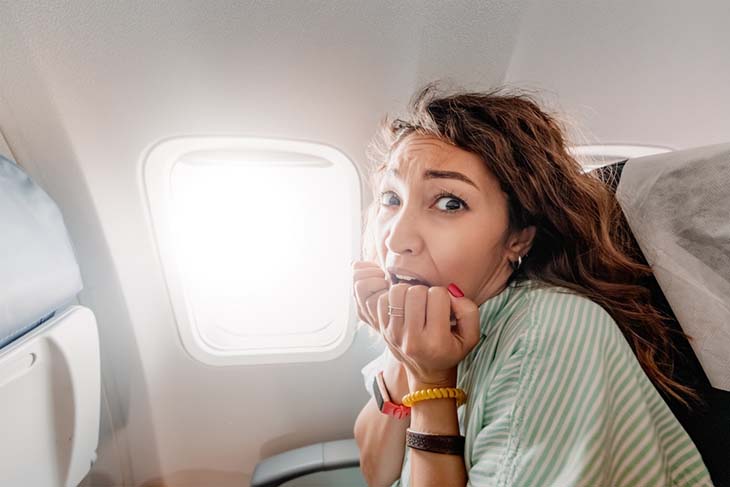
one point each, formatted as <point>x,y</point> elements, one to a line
<point>451,445</point>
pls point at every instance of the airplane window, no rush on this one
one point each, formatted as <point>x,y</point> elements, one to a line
<point>594,156</point>
<point>256,237</point>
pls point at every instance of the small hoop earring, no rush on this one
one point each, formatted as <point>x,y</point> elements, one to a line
<point>517,264</point>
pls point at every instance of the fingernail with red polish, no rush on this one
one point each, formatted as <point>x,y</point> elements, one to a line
<point>455,291</point>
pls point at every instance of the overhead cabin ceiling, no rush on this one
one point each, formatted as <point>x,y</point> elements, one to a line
<point>119,76</point>
<point>122,75</point>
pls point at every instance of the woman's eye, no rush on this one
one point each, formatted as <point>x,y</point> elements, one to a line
<point>385,197</point>
<point>453,203</point>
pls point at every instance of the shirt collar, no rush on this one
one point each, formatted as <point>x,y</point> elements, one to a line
<point>490,309</point>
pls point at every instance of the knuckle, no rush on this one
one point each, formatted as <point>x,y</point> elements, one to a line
<point>359,287</point>
<point>373,304</point>
<point>400,287</point>
<point>378,294</point>
<point>365,273</point>
<point>419,290</point>
<point>437,291</point>
<point>360,264</point>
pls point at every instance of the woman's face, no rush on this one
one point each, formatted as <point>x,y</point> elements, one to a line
<point>460,237</point>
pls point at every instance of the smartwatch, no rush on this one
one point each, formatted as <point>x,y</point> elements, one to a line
<point>382,398</point>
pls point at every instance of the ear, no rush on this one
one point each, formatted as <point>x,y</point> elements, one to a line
<point>520,242</point>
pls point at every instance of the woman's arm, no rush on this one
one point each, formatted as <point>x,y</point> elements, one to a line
<point>436,417</point>
<point>382,438</point>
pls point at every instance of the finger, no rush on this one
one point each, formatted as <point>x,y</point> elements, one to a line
<point>415,304</point>
<point>383,320</point>
<point>367,272</point>
<point>362,313</point>
<point>365,288</point>
<point>364,274</point>
<point>383,317</point>
<point>438,310</point>
<point>468,327</point>
<point>364,264</point>
<point>361,269</point>
<point>396,324</point>
<point>372,306</point>
<point>361,316</point>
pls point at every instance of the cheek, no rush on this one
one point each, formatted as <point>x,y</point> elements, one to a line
<point>471,256</point>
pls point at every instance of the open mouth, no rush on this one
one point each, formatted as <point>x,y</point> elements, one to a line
<point>413,282</point>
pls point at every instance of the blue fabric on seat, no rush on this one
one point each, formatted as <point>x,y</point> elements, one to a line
<point>38,269</point>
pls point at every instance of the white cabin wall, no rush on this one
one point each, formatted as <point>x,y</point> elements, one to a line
<point>91,86</point>
<point>653,72</point>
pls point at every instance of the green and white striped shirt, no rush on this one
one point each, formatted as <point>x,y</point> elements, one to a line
<point>556,397</point>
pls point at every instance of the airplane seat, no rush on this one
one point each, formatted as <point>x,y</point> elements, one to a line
<point>682,172</point>
<point>707,424</point>
<point>49,347</point>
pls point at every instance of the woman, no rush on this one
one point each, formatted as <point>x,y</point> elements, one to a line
<point>497,268</point>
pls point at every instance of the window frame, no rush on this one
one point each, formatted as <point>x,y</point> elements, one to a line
<point>155,175</point>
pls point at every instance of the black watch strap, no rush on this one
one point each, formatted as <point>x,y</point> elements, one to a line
<point>379,400</point>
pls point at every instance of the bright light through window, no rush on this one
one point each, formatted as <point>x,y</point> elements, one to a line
<point>257,239</point>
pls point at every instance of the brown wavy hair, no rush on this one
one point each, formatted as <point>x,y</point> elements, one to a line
<point>582,241</point>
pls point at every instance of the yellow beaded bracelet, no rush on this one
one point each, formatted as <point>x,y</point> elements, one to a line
<point>440,393</point>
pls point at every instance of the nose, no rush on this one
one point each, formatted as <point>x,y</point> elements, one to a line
<point>404,236</point>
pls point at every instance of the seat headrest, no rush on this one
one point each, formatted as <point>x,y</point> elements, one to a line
<point>678,207</point>
<point>38,269</point>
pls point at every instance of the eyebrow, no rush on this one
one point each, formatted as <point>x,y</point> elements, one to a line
<point>434,174</point>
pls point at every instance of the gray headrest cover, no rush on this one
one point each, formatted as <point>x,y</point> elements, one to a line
<point>678,207</point>
<point>38,269</point>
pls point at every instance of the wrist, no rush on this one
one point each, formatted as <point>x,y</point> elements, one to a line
<point>394,375</point>
<point>436,416</point>
<point>447,379</point>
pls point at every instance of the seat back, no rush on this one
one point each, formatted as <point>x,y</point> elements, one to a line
<point>49,348</point>
<point>707,424</point>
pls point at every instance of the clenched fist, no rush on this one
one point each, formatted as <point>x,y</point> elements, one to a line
<point>420,331</point>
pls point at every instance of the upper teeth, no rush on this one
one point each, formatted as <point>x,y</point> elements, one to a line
<point>406,278</point>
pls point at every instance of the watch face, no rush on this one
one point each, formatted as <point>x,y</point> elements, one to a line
<point>376,393</point>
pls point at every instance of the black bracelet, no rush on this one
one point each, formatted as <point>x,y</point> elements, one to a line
<point>451,445</point>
